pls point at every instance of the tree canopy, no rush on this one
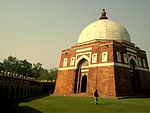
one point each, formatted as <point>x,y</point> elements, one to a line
<point>25,68</point>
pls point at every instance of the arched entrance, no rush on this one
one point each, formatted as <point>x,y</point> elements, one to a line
<point>80,82</point>
<point>134,78</point>
<point>83,84</point>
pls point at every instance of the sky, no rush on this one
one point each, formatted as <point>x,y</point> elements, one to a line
<point>38,30</point>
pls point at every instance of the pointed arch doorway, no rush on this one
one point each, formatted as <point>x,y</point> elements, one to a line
<point>80,80</point>
<point>135,82</point>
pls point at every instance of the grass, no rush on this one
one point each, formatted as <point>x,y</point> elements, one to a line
<point>59,104</point>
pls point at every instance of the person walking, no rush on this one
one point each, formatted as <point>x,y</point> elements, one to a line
<point>96,96</point>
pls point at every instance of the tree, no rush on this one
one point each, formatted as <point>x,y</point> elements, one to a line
<point>48,75</point>
<point>1,66</point>
<point>10,64</point>
<point>37,70</point>
<point>25,68</point>
<point>44,75</point>
<point>53,73</point>
<point>14,65</point>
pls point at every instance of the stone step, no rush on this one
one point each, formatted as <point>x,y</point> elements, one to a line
<point>80,94</point>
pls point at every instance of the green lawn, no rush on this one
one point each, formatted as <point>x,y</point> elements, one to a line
<point>58,104</point>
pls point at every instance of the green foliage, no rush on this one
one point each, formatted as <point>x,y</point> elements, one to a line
<point>44,75</point>
<point>23,67</point>
<point>1,66</point>
<point>60,104</point>
<point>53,73</point>
<point>11,64</point>
<point>37,70</point>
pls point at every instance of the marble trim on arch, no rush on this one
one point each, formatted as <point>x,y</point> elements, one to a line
<point>83,55</point>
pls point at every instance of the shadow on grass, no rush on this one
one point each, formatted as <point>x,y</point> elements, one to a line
<point>13,107</point>
<point>26,109</point>
<point>32,98</point>
<point>19,109</point>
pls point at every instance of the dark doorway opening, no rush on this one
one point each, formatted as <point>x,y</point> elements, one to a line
<point>134,78</point>
<point>83,84</point>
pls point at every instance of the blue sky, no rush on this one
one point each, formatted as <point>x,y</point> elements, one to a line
<point>37,30</point>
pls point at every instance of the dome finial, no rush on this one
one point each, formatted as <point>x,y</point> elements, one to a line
<point>103,15</point>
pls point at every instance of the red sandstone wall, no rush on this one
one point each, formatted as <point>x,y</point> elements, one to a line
<point>124,84</point>
<point>102,79</point>
<point>145,81</point>
<point>123,81</point>
<point>64,82</point>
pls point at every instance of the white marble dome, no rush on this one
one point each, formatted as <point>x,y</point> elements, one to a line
<point>104,29</point>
